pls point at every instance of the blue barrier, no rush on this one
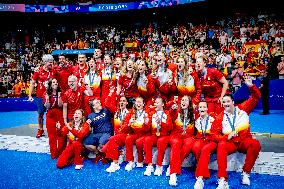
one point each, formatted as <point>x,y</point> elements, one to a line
<point>276,94</point>
<point>16,104</point>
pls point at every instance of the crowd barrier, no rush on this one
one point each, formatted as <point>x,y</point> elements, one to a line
<point>16,104</point>
<point>276,98</point>
<point>276,94</point>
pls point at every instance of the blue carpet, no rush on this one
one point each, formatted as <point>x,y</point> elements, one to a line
<point>272,123</point>
<point>31,170</point>
<point>17,118</point>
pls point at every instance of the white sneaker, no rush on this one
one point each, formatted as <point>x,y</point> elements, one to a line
<point>129,166</point>
<point>173,180</point>
<point>199,184</point>
<point>139,165</point>
<point>113,167</point>
<point>78,167</point>
<point>149,170</point>
<point>222,184</point>
<point>245,178</point>
<point>158,171</point>
<point>168,173</point>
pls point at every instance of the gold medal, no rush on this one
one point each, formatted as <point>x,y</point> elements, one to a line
<point>158,133</point>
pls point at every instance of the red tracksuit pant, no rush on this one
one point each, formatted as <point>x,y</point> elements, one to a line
<point>249,146</point>
<point>161,143</point>
<point>129,142</point>
<point>180,148</point>
<point>203,150</point>
<point>71,154</point>
<point>111,147</point>
<point>57,143</point>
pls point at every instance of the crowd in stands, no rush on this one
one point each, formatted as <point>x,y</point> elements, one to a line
<point>235,46</point>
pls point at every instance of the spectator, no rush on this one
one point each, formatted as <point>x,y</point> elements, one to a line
<point>280,68</point>
<point>237,77</point>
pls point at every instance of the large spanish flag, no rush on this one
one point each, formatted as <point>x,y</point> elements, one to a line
<point>255,45</point>
<point>130,44</point>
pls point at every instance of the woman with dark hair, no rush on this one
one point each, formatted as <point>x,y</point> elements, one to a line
<point>76,131</point>
<point>161,126</point>
<point>181,139</point>
<point>53,104</point>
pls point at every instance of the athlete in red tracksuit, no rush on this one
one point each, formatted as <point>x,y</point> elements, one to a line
<point>39,78</point>
<point>76,132</point>
<point>187,82</point>
<point>108,78</point>
<point>139,125</point>
<point>110,149</point>
<point>127,83</point>
<point>163,78</point>
<point>92,79</point>
<point>62,72</point>
<point>80,70</point>
<point>213,84</point>
<point>161,126</point>
<point>204,144</point>
<point>98,60</point>
<point>145,83</point>
<point>235,134</point>
<point>134,125</point>
<point>181,139</point>
<point>52,101</point>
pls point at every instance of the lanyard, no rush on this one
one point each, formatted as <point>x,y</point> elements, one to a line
<point>205,127</point>
<point>184,125</point>
<point>92,78</point>
<point>202,96</point>
<point>122,116</point>
<point>203,74</point>
<point>158,125</point>
<point>139,114</point>
<point>234,120</point>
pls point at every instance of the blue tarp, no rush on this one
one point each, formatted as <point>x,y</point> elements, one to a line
<point>83,51</point>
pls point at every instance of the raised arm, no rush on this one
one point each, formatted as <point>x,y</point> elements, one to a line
<point>111,101</point>
<point>250,103</point>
